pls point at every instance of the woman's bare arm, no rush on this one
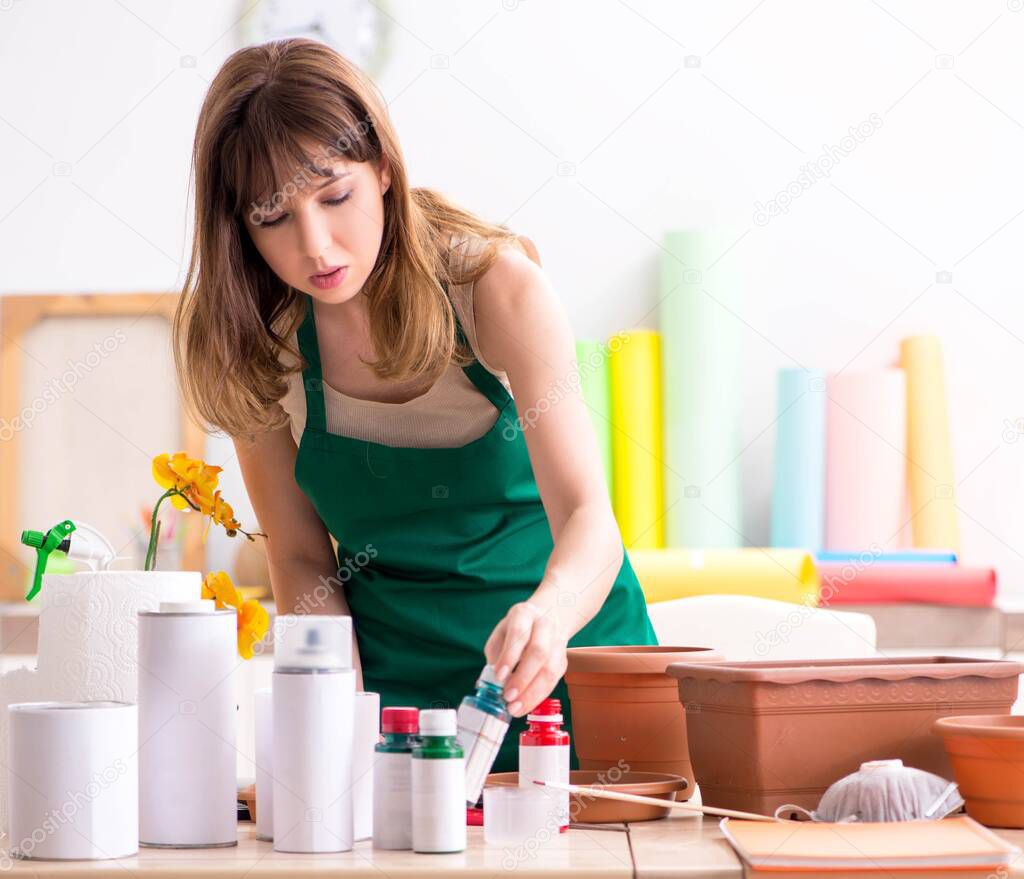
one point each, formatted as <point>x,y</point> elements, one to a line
<point>301,559</point>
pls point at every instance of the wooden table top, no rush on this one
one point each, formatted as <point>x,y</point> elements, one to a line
<point>678,846</point>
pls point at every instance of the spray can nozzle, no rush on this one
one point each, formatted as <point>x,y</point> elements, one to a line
<point>88,545</point>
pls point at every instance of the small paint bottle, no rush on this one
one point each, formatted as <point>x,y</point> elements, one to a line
<point>438,785</point>
<point>483,722</point>
<point>544,754</point>
<point>392,779</point>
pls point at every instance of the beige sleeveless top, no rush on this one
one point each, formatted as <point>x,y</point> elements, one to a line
<point>451,413</point>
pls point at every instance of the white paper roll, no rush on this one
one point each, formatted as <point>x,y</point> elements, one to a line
<point>313,728</point>
<point>264,715</point>
<point>366,734</point>
<point>187,709</point>
<point>73,780</point>
<point>17,685</point>
<point>88,629</point>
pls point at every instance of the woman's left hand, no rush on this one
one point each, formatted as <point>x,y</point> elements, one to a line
<point>531,643</point>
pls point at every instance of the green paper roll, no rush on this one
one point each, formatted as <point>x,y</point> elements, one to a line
<point>701,335</point>
<point>592,363</point>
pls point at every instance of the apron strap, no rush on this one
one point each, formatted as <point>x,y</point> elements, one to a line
<point>312,375</point>
<point>486,382</point>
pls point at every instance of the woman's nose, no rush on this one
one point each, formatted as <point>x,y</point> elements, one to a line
<point>314,236</point>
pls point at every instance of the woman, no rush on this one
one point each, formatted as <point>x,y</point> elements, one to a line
<point>367,346</point>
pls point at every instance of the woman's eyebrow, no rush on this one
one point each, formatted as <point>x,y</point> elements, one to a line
<point>332,177</point>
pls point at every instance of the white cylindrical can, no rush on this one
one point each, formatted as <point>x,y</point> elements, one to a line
<point>366,734</point>
<point>188,789</point>
<point>438,785</point>
<point>73,780</point>
<point>314,705</point>
<point>263,712</point>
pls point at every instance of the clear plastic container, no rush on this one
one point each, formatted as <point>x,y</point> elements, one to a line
<point>312,642</point>
<point>520,816</point>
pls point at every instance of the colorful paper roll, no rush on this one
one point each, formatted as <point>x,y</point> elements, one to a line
<point>930,465</point>
<point>701,333</point>
<point>779,574</point>
<point>908,556</point>
<point>592,363</point>
<point>927,584</point>
<point>637,471</point>
<point>865,460</point>
<point>798,496</point>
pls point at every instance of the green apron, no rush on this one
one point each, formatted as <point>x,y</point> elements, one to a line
<point>451,538</point>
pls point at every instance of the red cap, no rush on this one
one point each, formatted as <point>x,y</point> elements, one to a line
<point>547,708</point>
<point>400,720</point>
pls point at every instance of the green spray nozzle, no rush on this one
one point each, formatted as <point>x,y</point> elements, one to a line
<point>44,544</point>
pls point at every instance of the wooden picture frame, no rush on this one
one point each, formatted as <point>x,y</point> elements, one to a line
<point>19,314</point>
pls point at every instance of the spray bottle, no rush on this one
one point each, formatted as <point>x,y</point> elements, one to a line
<point>87,545</point>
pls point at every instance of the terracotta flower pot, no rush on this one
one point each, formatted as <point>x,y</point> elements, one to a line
<point>626,711</point>
<point>987,753</point>
<point>768,733</point>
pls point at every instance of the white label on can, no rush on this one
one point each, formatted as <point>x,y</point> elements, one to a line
<point>547,763</point>
<point>480,737</point>
<point>438,805</point>
<point>392,801</point>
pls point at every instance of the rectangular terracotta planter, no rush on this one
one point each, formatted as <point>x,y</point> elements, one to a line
<point>762,734</point>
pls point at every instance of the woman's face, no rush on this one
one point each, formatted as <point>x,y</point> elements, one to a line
<point>319,225</point>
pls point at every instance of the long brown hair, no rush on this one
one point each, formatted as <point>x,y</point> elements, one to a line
<point>235,316</point>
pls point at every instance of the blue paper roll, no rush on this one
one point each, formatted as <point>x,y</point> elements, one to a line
<point>910,556</point>
<point>798,497</point>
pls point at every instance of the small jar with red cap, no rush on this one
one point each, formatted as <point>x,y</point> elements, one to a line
<point>392,779</point>
<point>544,754</point>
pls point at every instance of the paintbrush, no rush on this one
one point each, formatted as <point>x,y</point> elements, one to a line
<point>653,801</point>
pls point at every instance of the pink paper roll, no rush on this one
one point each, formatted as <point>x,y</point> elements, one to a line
<point>922,583</point>
<point>866,460</point>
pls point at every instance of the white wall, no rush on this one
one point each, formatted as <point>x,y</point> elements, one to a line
<point>656,143</point>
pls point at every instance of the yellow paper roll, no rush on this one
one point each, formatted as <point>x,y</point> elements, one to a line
<point>638,489</point>
<point>930,465</point>
<point>779,574</point>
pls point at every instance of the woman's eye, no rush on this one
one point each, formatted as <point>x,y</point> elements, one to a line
<point>275,222</point>
<point>337,201</point>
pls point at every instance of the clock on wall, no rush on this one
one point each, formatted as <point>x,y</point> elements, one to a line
<point>358,29</point>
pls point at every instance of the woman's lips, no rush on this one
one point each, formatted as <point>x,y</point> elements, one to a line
<point>329,280</point>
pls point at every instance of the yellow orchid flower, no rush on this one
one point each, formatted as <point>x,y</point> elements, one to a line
<point>253,622</point>
<point>191,484</point>
<point>219,587</point>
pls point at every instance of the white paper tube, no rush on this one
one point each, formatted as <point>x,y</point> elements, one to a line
<point>264,716</point>
<point>366,734</point>
<point>187,723</point>
<point>73,780</point>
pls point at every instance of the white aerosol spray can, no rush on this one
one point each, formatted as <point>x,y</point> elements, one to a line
<point>314,687</point>
<point>188,784</point>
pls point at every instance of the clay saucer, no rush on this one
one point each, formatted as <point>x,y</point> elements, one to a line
<point>585,809</point>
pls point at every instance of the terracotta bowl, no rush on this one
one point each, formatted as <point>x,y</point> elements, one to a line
<point>585,809</point>
<point>987,753</point>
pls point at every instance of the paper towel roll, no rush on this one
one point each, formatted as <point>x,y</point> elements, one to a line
<point>637,469</point>
<point>73,780</point>
<point>89,630</point>
<point>798,497</point>
<point>366,734</point>
<point>866,460</point>
<point>930,468</point>
<point>264,716</point>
